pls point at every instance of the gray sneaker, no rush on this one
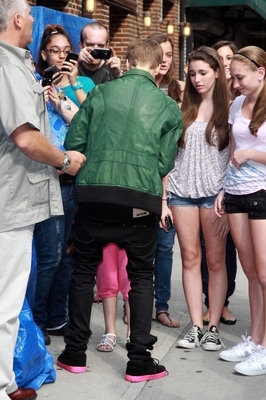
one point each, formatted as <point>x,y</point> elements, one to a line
<point>240,351</point>
<point>191,339</point>
<point>211,340</point>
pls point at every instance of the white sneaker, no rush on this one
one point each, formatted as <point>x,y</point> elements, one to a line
<point>240,351</point>
<point>255,364</point>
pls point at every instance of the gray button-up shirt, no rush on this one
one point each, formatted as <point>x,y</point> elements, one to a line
<point>29,190</point>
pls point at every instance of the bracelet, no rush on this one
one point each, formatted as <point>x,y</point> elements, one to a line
<point>77,86</point>
<point>164,199</point>
<point>221,189</point>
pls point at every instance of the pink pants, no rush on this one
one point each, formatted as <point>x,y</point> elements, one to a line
<point>112,274</point>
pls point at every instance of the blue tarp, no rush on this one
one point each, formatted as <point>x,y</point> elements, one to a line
<point>44,16</point>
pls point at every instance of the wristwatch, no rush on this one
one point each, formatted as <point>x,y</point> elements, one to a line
<point>77,86</point>
<point>66,163</point>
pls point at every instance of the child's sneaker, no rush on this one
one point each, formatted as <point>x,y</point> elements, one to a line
<point>240,351</point>
<point>191,339</point>
<point>255,364</point>
<point>145,372</point>
<point>210,340</point>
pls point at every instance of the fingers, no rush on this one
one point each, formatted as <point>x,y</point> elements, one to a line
<point>112,51</point>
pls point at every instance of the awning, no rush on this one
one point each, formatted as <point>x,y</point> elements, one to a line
<point>259,6</point>
<point>129,5</point>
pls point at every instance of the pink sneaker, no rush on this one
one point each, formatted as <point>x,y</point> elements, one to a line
<point>72,363</point>
<point>145,372</point>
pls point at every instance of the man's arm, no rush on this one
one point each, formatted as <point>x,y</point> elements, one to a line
<point>35,146</point>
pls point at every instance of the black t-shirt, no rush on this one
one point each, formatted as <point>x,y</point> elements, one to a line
<point>100,75</point>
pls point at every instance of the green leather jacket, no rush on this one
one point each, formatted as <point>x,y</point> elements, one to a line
<point>128,129</point>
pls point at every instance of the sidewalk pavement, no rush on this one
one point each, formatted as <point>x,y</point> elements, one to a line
<point>193,374</point>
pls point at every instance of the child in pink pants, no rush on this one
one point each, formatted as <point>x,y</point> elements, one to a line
<point>110,279</point>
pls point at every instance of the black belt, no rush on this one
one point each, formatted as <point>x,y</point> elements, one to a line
<point>66,179</point>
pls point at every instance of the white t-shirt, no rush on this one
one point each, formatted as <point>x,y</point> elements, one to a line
<point>251,177</point>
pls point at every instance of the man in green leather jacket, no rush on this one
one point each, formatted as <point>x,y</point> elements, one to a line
<point>128,129</point>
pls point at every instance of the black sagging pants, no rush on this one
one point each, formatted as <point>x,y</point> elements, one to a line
<point>138,238</point>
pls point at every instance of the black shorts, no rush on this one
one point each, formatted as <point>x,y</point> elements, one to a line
<point>254,204</point>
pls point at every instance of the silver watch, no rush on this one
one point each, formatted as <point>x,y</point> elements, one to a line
<point>66,163</point>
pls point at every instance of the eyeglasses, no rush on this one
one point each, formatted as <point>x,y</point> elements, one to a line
<point>56,50</point>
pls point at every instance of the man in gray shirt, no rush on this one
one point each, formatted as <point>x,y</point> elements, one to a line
<point>29,189</point>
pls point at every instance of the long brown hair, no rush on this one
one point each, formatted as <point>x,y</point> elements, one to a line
<point>227,43</point>
<point>49,32</point>
<point>174,88</point>
<point>161,38</point>
<point>192,100</point>
<point>254,57</point>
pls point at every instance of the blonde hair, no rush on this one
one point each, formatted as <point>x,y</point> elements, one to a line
<point>254,57</point>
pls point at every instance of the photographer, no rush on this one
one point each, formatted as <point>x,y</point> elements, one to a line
<point>95,36</point>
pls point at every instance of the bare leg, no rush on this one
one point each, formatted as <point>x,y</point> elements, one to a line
<point>215,256</point>
<point>187,223</point>
<point>240,230</point>
<point>258,236</point>
<point>109,311</point>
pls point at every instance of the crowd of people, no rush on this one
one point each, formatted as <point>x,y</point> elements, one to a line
<point>108,166</point>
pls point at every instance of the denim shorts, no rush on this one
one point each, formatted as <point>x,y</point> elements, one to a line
<point>254,204</point>
<point>202,202</point>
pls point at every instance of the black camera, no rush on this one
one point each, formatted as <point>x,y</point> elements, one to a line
<point>48,76</point>
<point>104,54</point>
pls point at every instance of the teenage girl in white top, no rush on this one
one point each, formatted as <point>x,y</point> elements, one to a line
<point>245,199</point>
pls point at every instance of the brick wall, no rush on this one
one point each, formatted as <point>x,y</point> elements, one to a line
<point>124,26</point>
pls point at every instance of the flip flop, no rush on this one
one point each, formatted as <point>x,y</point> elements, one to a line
<point>168,321</point>
<point>228,321</point>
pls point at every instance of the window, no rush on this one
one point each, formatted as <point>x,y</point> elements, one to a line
<point>129,5</point>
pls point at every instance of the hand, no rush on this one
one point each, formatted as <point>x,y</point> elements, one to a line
<point>240,157</point>
<point>219,205</point>
<point>77,161</point>
<point>57,78</point>
<point>115,64</point>
<point>85,55</point>
<point>46,93</point>
<point>223,227</point>
<point>165,211</point>
<point>72,67</point>
<point>54,99</point>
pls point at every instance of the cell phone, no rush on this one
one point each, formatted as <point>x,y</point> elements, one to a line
<point>48,75</point>
<point>70,56</point>
<point>168,222</point>
<point>104,54</point>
